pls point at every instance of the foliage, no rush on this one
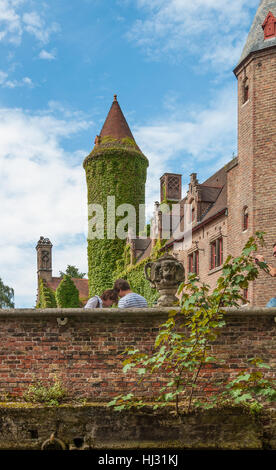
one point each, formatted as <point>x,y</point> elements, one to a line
<point>50,395</point>
<point>6,296</point>
<point>67,295</point>
<point>46,296</point>
<point>134,274</point>
<point>114,168</point>
<point>182,348</point>
<point>252,387</point>
<point>72,271</point>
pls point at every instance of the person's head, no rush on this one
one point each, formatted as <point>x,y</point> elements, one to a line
<point>121,286</point>
<point>109,297</point>
<point>274,249</point>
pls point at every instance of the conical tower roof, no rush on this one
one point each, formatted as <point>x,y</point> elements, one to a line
<point>255,40</point>
<point>115,124</point>
<point>115,134</point>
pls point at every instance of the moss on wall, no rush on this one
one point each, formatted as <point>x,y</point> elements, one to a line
<point>113,168</point>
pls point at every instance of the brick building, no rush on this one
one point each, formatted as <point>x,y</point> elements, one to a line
<point>240,198</point>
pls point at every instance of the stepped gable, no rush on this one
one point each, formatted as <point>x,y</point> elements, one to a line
<point>256,38</point>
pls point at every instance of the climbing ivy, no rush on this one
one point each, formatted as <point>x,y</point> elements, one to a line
<point>114,168</point>
<point>134,274</point>
<point>67,295</point>
<point>46,296</point>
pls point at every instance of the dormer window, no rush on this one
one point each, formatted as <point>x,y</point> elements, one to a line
<point>269,26</point>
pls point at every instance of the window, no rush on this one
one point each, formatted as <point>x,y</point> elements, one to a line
<point>245,90</point>
<point>245,218</point>
<point>193,261</point>
<point>216,253</point>
<point>245,295</point>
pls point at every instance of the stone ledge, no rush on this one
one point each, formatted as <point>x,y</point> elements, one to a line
<point>116,313</point>
<point>101,427</point>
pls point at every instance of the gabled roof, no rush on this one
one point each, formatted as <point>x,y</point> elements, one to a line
<point>255,40</point>
<point>115,124</point>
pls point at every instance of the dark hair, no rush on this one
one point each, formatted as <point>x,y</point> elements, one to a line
<point>121,284</point>
<point>274,244</point>
<point>110,294</point>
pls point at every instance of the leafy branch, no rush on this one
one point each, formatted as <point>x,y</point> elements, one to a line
<point>182,348</point>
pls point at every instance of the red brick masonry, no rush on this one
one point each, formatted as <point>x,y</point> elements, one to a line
<point>85,353</point>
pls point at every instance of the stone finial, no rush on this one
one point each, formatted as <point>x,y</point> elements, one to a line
<point>194,179</point>
<point>97,140</point>
<point>165,275</point>
<point>115,97</point>
<point>43,241</point>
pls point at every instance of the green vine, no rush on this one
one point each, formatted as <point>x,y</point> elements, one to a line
<point>183,348</point>
<point>113,168</point>
<point>134,274</point>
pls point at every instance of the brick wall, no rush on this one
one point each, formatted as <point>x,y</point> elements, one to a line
<point>86,352</point>
<point>252,183</point>
<point>202,239</point>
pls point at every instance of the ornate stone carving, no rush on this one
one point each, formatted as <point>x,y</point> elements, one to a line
<point>43,241</point>
<point>165,275</point>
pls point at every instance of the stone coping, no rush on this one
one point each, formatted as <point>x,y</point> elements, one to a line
<point>116,313</point>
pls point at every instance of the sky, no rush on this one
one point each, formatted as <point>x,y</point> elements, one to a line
<point>171,64</point>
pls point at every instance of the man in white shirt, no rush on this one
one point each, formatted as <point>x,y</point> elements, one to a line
<point>107,299</point>
<point>128,299</point>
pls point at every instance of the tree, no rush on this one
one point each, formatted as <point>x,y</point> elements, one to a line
<point>46,297</point>
<point>184,342</point>
<point>67,295</point>
<point>72,271</point>
<point>6,296</point>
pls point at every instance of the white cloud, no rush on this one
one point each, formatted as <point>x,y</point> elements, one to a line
<point>14,21</point>
<point>211,28</point>
<point>35,25</point>
<point>10,24</point>
<point>41,193</point>
<point>45,55</point>
<point>8,83</point>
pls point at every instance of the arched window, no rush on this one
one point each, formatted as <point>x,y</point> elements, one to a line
<point>245,218</point>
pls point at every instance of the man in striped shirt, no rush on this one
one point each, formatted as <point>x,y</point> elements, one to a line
<point>128,299</point>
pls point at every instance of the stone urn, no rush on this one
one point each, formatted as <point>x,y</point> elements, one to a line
<point>165,275</point>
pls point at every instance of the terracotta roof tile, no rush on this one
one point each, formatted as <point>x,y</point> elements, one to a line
<point>115,124</point>
<point>81,285</point>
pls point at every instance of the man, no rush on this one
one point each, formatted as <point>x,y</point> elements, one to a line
<point>128,299</point>
<point>271,271</point>
<point>107,299</point>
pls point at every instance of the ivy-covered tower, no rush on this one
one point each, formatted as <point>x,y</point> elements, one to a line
<point>116,168</point>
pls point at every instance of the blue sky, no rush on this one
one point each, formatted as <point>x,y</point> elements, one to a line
<point>169,61</point>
